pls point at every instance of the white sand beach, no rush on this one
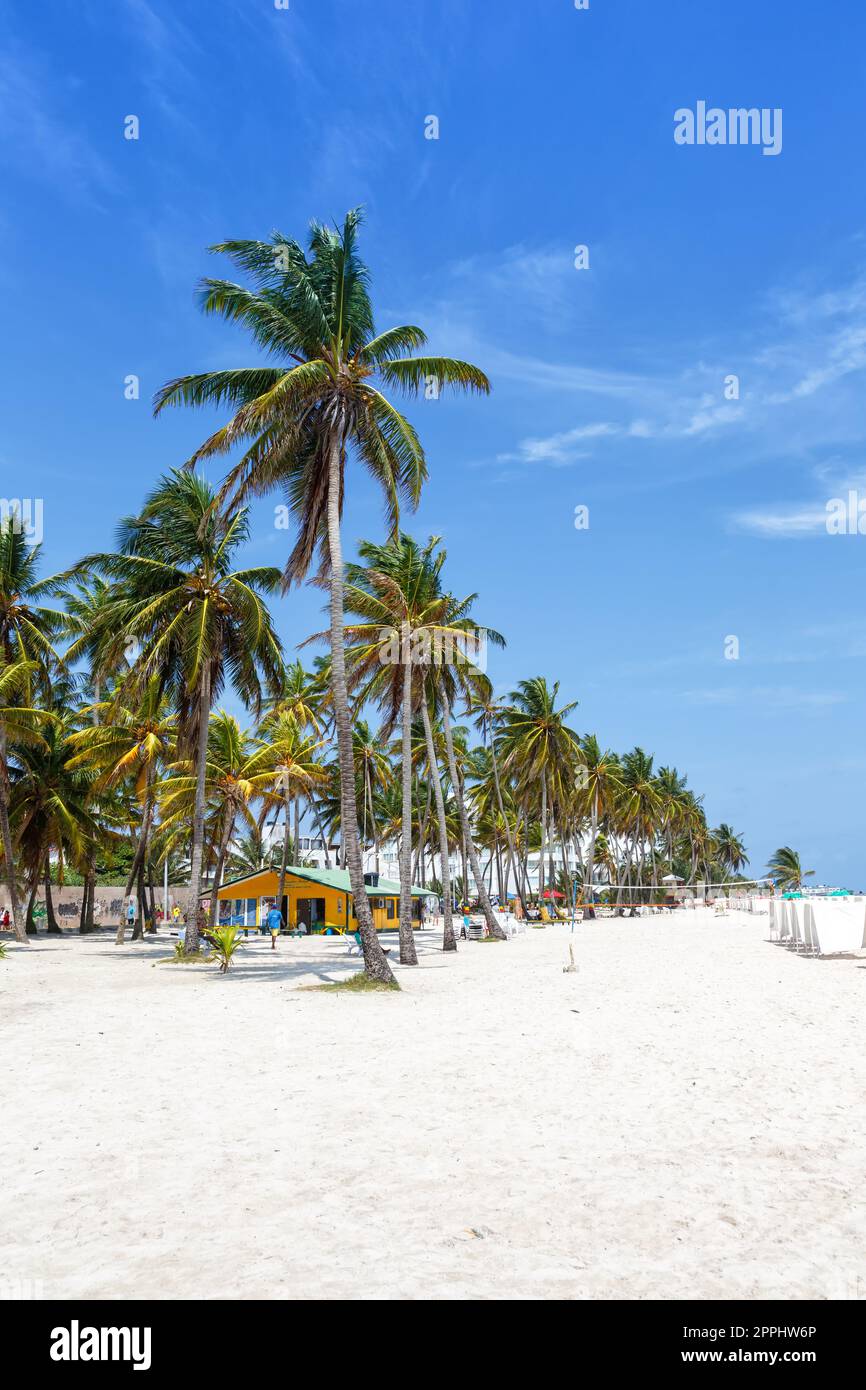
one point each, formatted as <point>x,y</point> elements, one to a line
<point>681,1118</point>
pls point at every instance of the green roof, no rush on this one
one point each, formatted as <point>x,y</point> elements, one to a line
<point>331,878</point>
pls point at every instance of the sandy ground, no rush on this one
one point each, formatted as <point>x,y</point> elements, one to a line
<point>681,1118</point>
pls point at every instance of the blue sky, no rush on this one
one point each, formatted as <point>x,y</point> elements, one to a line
<point>707,515</point>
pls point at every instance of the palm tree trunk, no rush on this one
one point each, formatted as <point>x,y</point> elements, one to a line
<point>51,924</point>
<point>408,954</point>
<point>8,851</point>
<point>318,819</point>
<point>194,917</point>
<point>138,929</point>
<point>512,854</point>
<point>140,851</point>
<point>449,940</point>
<point>281,883</point>
<point>30,921</point>
<point>541,884</point>
<point>493,926</point>
<point>375,961</point>
<point>590,858</point>
<point>225,838</point>
<point>82,916</point>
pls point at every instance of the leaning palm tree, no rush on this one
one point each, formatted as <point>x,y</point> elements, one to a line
<point>301,416</point>
<point>785,870</point>
<point>197,623</point>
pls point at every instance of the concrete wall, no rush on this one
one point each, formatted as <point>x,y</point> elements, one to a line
<point>109,903</point>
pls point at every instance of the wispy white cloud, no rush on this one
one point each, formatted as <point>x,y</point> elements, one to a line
<point>40,136</point>
<point>801,519</point>
<point>800,369</point>
<point>766,698</point>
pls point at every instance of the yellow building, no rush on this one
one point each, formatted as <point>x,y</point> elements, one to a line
<point>320,899</point>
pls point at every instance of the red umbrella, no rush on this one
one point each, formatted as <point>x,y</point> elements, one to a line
<point>552,893</point>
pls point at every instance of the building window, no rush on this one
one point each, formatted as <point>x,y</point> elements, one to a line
<point>390,905</point>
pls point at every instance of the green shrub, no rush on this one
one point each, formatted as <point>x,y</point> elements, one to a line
<point>226,940</point>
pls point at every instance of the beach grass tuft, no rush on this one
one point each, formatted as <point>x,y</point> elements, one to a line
<point>355,984</point>
<point>200,958</point>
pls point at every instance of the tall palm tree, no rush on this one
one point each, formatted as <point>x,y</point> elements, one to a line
<point>601,786</point>
<point>27,659</point>
<point>672,806</point>
<point>293,756</point>
<point>303,695</point>
<point>130,742</point>
<point>785,870</point>
<point>394,593</point>
<point>639,810</point>
<point>540,750</point>
<point>53,809</point>
<point>299,418</point>
<point>374,771</point>
<point>489,712</point>
<point>197,621</point>
<point>237,772</point>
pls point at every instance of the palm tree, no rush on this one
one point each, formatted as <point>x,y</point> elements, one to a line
<point>27,657</point>
<point>303,695</point>
<point>53,809</point>
<point>249,854</point>
<point>490,711</point>
<point>374,771</point>
<point>672,806</point>
<point>298,420</point>
<point>785,871</point>
<point>293,758</point>
<point>197,621</point>
<point>130,742</point>
<point>395,592</point>
<point>730,849</point>
<point>540,750</point>
<point>236,774</point>
<point>600,790</point>
<point>639,811</point>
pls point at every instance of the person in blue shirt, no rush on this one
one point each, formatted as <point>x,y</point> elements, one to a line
<point>275,924</point>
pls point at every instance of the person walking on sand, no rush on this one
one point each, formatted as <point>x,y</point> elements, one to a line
<point>275,923</point>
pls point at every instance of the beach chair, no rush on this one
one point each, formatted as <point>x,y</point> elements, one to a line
<point>810,936</point>
<point>796,929</point>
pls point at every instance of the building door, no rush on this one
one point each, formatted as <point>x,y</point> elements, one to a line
<point>311,912</point>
